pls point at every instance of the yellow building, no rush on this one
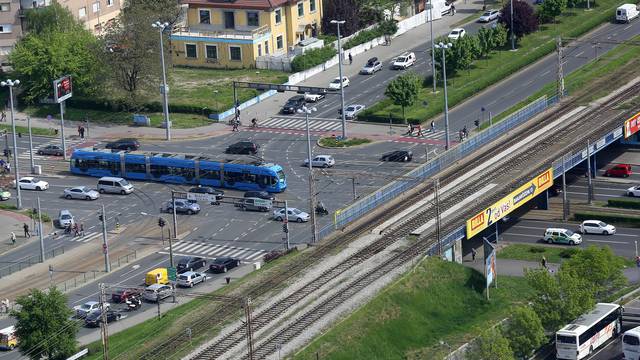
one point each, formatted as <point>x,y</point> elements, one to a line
<point>233,33</point>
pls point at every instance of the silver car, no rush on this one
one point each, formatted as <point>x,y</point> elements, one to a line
<point>182,206</point>
<point>65,218</point>
<point>293,214</point>
<point>81,192</point>
<point>191,278</point>
<point>157,292</point>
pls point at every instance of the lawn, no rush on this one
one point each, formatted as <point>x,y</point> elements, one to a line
<point>438,301</point>
<point>500,64</point>
<point>553,253</point>
<point>25,131</point>
<point>335,143</point>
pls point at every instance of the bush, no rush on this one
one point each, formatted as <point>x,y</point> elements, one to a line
<point>384,28</point>
<point>334,142</point>
<point>569,253</point>
<point>624,203</point>
<point>312,58</point>
<point>537,249</point>
<point>613,218</point>
<point>119,105</point>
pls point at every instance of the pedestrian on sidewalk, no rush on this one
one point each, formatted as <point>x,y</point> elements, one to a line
<point>465,132</point>
<point>473,254</point>
<point>453,9</point>
<point>235,125</point>
<point>460,135</point>
<point>410,129</point>
<point>544,262</point>
<point>420,130</point>
<point>7,168</point>
<point>76,230</point>
<point>81,132</point>
<point>3,116</point>
<point>81,229</point>
<point>350,59</point>
<point>27,234</point>
<point>12,236</point>
<point>433,126</point>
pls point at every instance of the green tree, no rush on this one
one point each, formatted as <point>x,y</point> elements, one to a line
<point>524,331</point>
<point>57,46</point>
<point>525,20</point>
<point>449,57</point>
<point>465,51</point>
<point>559,298</point>
<point>131,49</point>
<point>499,36</point>
<point>600,266</point>
<point>403,91</point>
<point>485,41</point>
<point>44,326</point>
<point>491,344</point>
<point>552,8</point>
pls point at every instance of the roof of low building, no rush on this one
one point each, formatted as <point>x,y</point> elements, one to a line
<point>237,4</point>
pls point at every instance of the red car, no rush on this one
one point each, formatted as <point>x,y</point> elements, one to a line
<point>620,170</point>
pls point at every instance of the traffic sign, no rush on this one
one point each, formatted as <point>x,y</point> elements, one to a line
<point>173,273</point>
<point>201,197</point>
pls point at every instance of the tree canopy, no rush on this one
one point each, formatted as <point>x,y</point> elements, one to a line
<point>524,331</point>
<point>44,326</point>
<point>552,8</point>
<point>491,344</point>
<point>525,20</point>
<point>600,266</point>
<point>403,91</point>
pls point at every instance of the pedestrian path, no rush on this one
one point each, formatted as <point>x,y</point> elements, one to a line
<point>430,135</point>
<point>208,250</point>
<point>300,124</point>
<point>71,145</point>
<point>86,238</point>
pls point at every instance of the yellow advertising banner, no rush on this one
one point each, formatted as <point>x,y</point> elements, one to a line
<point>509,203</point>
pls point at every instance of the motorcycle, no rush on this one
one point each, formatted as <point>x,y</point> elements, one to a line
<point>133,303</point>
<point>321,210</point>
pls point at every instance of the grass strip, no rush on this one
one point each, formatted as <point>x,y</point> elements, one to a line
<point>525,252</point>
<point>337,143</point>
<point>23,130</point>
<point>617,219</point>
<point>437,301</point>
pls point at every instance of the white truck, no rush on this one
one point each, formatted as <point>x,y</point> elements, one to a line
<point>626,12</point>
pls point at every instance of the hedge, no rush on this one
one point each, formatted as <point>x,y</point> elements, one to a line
<point>624,203</point>
<point>312,58</point>
<point>118,105</point>
<point>614,218</point>
<point>384,28</point>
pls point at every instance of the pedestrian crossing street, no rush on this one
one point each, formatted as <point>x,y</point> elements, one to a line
<point>301,124</point>
<point>71,144</point>
<point>207,250</point>
<point>86,238</point>
<point>428,134</point>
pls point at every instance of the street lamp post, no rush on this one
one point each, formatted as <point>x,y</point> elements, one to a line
<point>446,104</point>
<point>344,119</point>
<point>11,83</point>
<point>433,53</point>
<point>164,89</point>
<point>513,39</point>
<point>312,213</point>
<point>33,166</point>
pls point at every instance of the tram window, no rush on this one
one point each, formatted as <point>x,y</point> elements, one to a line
<point>281,174</point>
<point>135,168</point>
<point>159,170</point>
<point>274,181</point>
<point>232,177</point>
<point>209,174</point>
<point>263,179</point>
<point>187,173</point>
<point>250,178</point>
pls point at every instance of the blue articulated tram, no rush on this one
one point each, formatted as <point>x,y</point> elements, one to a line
<point>180,169</point>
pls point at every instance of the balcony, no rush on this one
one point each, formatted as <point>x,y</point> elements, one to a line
<point>215,32</point>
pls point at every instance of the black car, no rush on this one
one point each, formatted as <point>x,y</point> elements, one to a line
<point>54,150</point>
<point>190,263</point>
<point>398,155</point>
<point>260,195</point>
<point>242,147</point>
<point>208,190</point>
<point>94,318</point>
<point>124,144</point>
<point>294,104</point>
<point>223,264</point>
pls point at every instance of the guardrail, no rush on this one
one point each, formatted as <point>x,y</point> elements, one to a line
<point>571,160</point>
<point>396,188</point>
<point>89,276</point>
<point>25,263</point>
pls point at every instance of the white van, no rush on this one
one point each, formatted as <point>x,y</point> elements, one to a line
<point>404,61</point>
<point>631,344</point>
<point>114,185</point>
<point>626,12</point>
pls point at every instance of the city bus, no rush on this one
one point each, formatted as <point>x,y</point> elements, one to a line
<point>8,339</point>
<point>578,339</point>
<point>180,169</point>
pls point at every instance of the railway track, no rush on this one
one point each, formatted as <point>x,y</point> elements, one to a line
<point>229,309</point>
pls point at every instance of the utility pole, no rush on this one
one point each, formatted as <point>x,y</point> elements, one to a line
<point>353,186</point>
<point>30,145</point>
<point>560,80</point>
<point>164,88</point>
<point>247,312</point>
<point>105,247</point>
<point>344,119</point>
<point>285,225</point>
<point>236,118</point>
<point>175,216</point>
<point>433,51</point>
<point>104,331</point>
<point>41,236</point>
<point>513,37</point>
<point>436,186</point>
<point>565,212</point>
<point>312,195</point>
<point>589,183</point>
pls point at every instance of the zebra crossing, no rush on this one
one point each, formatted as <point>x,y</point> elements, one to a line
<point>71,144</point>
<point>86,238</point>
<point>207,250</point>
<point>431,135</point>
<point>301,124</point>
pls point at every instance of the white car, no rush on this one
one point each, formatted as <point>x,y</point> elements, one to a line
<point>309,97</point>
<point>324,161</point>
<point>190,278</point>
<point>489,15</point>
<point>85,309</point>
<point>31,183</point>
<point>403,61</point>
<point>335,83</point>
<point>371,67</point>
<point>633,191</point>
<point>81,192</point>
<point>457,33</point>
<point>293,214</point>
<point>352,111</point>
<point>597,227</point>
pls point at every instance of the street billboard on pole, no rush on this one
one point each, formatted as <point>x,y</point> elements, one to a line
<point>62,89</point>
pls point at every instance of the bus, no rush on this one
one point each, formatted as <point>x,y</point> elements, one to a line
<point>8,339</point>
<point>578,339</point>
<point>180,169</point>
<point>631,344</point>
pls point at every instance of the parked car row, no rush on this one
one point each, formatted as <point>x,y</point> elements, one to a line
<point>566,236</point>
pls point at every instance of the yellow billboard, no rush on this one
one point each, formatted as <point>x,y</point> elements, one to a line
<point>514,200</point>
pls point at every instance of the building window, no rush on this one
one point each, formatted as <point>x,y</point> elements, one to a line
<point>5,29</point>
<point>212,51</point>
<point>96,7</point>
<point>235,53</point>
<point>82,12</point>
<point>266,47</point>
<point>205,17</point>
<point>192,51</point>
<point>301,8</point>
<point>229,20</point>
<point>278,16</point>
<point>4,7</point>
<point>253,19</point>
<point>279,42</point>
<point>109,2</point>
<point>259,50</point>
<point>312,5</point>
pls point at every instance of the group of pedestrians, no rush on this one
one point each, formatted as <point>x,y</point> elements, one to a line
<point>463,134</point>
<point>418,127</point>
<point>77,230</point>
<point>5,167</point>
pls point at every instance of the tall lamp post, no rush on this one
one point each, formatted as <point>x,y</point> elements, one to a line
<point>344,119</point>
<point>433,52</point>
<point>513,39</point>
<point>11,83</point>
<point>312,209</point>
<point>446,104</point>
<point>164,89</point>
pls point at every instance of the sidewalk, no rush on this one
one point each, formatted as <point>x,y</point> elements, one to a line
<point>13,221</point>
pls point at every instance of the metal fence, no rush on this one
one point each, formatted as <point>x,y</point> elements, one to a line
<point>89,276</point>
<point>9,268</point>
<point>396,188</point>
<point>573,159</point>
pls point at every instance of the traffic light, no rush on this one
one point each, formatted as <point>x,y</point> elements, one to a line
<point>476,122</point>
<point>285,228</point>
<point>161,222</point>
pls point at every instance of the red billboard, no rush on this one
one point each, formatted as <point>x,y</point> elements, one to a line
<point>62,89</point>
<point>632,125</point>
